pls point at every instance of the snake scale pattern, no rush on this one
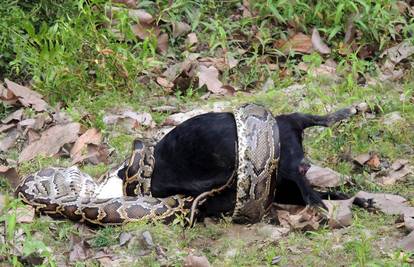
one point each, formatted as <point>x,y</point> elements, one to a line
<point>71,194</point>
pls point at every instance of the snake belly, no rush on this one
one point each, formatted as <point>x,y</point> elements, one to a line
<point>71,194</point>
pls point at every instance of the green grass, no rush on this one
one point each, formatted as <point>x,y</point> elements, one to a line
<point>65,51</point>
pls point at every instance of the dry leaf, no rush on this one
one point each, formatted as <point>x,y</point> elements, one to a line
<point>51,141</point>
<point>299,43</point>
<point>300,218</point>
<point>318,43</point>
<point>362,159</point>
<point>10,174</point>
<point>6,127</point>
<point>137,15</point>
<point>180,28</point>
<point>393,118</point>
<point>80,249</point>
<point>165,83</point>
<point>324,177</point>
<point>399,52</point>
<point>124,237</point>
<point>196,261</point>
<point>14,116</point>
<point>209,77</point>
<point>24,214</point>
<point>130,120</point>
<point>91,136</point>
<point>339,212</point>
<point>26,96</point>
<point>162,43</point>
<point>94,154</point>
<point>387,203</point>
<point>374,162</point>
<point>399,170</point>
<point>407,243</point>
<point>191,39</point>
<point>9,140</point>
<point>144,30</point>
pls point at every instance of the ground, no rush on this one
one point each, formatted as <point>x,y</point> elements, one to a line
<point>91,65</point>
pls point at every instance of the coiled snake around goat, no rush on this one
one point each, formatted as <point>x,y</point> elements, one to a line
<point>69,193</point>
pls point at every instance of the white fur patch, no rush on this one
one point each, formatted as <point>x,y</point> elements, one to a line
<point>112,188</point>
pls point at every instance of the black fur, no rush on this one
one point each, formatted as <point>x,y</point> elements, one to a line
<point>200,154</point>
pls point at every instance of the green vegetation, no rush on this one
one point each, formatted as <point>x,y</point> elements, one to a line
<point>71,52</point>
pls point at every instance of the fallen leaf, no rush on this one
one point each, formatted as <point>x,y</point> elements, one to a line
<point>14,116</point>
<point>165,83</point>
<point>362,159</point>
<point>350,31</point>
<point>318,43</point>
<point>339,212</point>
<point>162,43</point>
<point>24,214</point>
<point>32,136</point>
<point>80,249</point>
<point>130,120</point>
<point>297,217</point>
<point>299,43</point>
<point>124,237</point>
<point>6,127</point>
<point>393,118</point>
<point>191,39</point>
<point>94,154</point>
<point>91,136</point>
<point>388,203</point>
<point>399,170</point>
<point>324,177</point>
<point>209,77</point>
<point>9,140</point>
<point>51,141</point>
<point>180,28</point>
<point>137,15</point>
<point>399,52</point>
<point>145,30</point>
<point>6,96</point>
<point>26,96</point>
<point>196,261</point>
<point>10,174</point>
<point>374,162</point>
<point>407,243</point>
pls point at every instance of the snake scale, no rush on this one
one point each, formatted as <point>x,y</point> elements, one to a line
<point>71,194</point>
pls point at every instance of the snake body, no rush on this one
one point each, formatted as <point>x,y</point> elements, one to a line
<point>71,194</point>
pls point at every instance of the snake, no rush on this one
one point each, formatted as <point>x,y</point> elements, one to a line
<point>72,194</point>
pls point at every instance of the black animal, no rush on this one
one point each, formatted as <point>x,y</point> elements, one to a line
<point>200,154</point>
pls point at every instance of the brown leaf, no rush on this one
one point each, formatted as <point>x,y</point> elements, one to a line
<point>124,237</point>
<point>397,173</point>
<point>196,261</point>
<point>339,212</point>
<point>140,15</point>
<point>91,136</point>
<point>362,159</point>
<point>32,136</point>
<point>165,83</point>
<point>14,116</point>
<point>191,39</point>
<point>306,219</point>
<point>350,31</point>
<point>9,140</point>
<point>387,203</point>
<point>144,30</point>
<point>80,249</point>
<point>407,243</point>
<point>94,154</point>
<point>318,43</point>
<point>10,174</point>
<point>6,127</point>
<point>209,77</point>
<point>399,52</point>
<point>324,177</point>
<point>130,119</point>
<point>180,28</point>
<point>162,44</point>
<point>374,162</point>
<point>26,96</point>
<point>24,214</point>
<point>299,43</point>
<point>51,141</point>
